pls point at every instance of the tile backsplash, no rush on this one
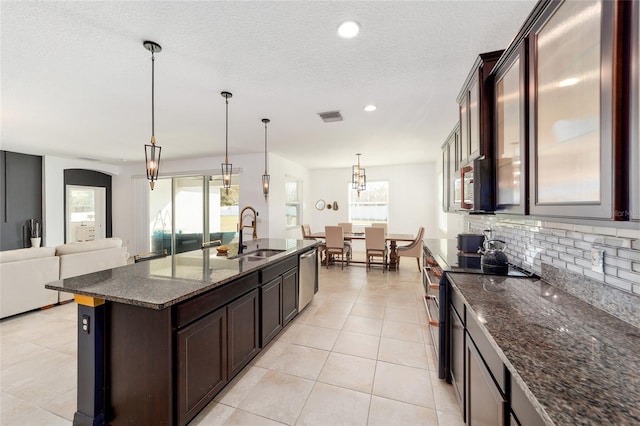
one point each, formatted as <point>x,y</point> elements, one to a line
<point>566,246</point>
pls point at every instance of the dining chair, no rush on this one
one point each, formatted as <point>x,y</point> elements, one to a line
<point>376,245</point>
<point>347,227</point>
<point>149,256</point>
<point>414,249</point>
<point>336,245</point>
<point>380,225</point>
<point>306,235</point>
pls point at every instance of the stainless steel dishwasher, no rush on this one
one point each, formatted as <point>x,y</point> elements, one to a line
<point>308,275</point>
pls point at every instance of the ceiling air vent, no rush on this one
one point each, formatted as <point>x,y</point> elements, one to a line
<point>330,116</point>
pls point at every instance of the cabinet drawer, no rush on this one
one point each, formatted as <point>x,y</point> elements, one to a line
<point>201,305</point>
<point>489,355</point>
<point>271,272</point>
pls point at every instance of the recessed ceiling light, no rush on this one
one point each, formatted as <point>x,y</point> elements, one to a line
<point>370,108</point>
<point>348,29</point>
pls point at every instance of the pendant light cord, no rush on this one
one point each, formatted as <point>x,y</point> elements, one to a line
<point>153,117</point>
<point>226,131</point>
<point>265,148</point>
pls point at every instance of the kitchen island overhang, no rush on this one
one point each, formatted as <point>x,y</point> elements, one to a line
<point>158,339</point>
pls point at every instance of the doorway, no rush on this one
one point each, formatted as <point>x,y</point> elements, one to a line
<point>86,212</point>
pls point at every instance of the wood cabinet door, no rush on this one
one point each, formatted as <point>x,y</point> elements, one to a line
<point>474,120</point>
<point>242,331</point>
<point>202,363</point>
<point>270,310</point>
<point>634,138</point>
<point>575,82</point>
<point>484,403</point>
<point>464,129</point>
<point>511,137</point>
<point>289,295</point>
<point>445,176</point>
<point>457,357</point>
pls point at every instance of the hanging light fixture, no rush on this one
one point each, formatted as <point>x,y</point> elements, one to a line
<point>265,177</point>
<point>358,177</point>
<point>152,151</point>
<point>227,168</point>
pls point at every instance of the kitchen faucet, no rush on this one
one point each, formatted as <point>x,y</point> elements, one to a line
<point>253,225</point>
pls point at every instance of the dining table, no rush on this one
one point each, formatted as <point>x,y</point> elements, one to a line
<point>392,239</point>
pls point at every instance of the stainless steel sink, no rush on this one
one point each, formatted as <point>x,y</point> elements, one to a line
<point>259,254</point>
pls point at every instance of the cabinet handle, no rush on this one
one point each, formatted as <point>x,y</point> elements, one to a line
<point>432,322</point>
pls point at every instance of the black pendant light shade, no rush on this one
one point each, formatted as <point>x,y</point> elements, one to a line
<point>152,151</point>
<point>358,177</point>
<point>227,168</point>
<point>265,177</point>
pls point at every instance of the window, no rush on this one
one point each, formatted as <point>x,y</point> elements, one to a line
<point>292,207</point>
<point>372,205</point>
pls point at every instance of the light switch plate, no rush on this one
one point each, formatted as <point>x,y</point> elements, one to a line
<point>597,260</point>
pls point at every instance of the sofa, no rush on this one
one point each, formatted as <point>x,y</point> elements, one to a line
<point>24,272</point>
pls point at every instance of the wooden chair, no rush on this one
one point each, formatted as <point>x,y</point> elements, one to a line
<point>149,256</point>
<point>336,245</point>
<point>381,225</point>
<point>414,249</point>
<point>347,227</point>
<point>376,246</point>
<point>306,235</point>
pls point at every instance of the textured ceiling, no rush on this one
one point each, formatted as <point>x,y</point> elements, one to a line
<point>76,80</point>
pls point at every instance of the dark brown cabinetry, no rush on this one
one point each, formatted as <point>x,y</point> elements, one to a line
<point>243,329</point>
<point>576,82</point>
<point>202,365</point>
<point>289,295</point>
<point>634,120</point>
<point>271,312</point>
<point>511,136</point>
<point>485,403</point>
<point>457,357</point>
<point>451,191</point>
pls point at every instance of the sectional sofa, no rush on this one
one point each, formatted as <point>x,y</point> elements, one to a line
<point>24,272</point>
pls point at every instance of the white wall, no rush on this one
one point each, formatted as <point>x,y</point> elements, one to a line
<point>54,196</point>
<point>412,196</point>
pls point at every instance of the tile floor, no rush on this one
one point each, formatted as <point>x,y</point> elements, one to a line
<point>360,354</point>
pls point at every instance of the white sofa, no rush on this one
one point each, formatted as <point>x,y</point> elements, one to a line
<point>89,256</point>
<point>23,274</point>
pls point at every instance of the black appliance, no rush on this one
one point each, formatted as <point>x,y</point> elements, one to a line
<point>469,242</point>
<point>439,257</point>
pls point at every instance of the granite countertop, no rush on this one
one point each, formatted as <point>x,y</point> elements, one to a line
<point>577,364</point>
<point>163,282</point>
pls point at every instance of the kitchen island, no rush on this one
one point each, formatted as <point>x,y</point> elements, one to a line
<point>157,340</point>
<point>534,354</point>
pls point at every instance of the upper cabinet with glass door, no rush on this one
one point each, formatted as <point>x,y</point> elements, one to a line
<point>511,138</point>
<point>475,106</point>
<point>574,139</point>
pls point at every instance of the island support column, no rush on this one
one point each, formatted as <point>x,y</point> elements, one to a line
<point>91,361</point>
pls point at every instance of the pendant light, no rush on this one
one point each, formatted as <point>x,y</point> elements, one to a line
<point>227,168</point>
<point>152,151</point>
<point>265,177</point>
<point>358,177</point>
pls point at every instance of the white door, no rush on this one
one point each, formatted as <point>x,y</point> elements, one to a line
<point>86,216</point>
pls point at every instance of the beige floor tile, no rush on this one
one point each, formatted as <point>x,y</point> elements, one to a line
<point>372,299</point>
<point>385,412</point>
<point>289,332</point>
<point>15,411</point>
<point>65,405</point>
<point>431,357</point>
<point>316,337</point>
<point>402,331</point>
<point>235,392</point>
<point>367,311</point>
<point>301,361</point>
<point>357,344</point>
<point>242,418</point>
<point>408,314</point>
<point>269,355</point>
<point>327,320</point>
<point>14,351</point>
<point>403,352</point>
<point>214,414</point>
<point>278,396</point>
<point>444,396</point>
<point>449,419</point>
<point>348,372</point>
<point>402,383</point>
<point>330,405</point>
<point>363,325</point>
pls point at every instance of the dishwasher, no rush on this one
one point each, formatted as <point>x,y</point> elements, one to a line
<point>308,275</point>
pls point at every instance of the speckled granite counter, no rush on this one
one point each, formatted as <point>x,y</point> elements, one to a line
<point>576,363</point>
<point>160,283</point>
